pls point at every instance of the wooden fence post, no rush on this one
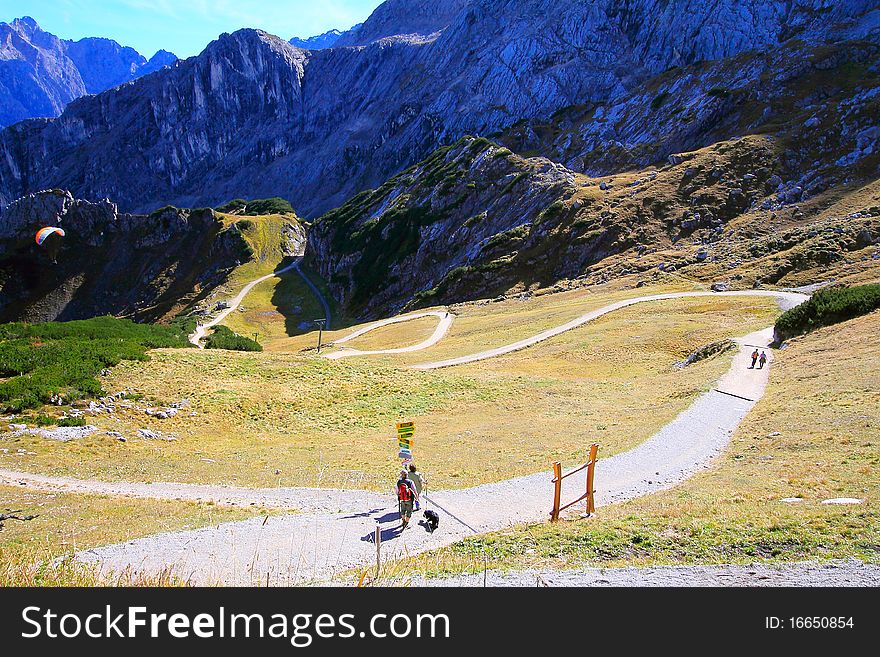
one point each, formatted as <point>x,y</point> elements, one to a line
<point>591,504</point>
<point>378,540</point>
<point>557,491</point>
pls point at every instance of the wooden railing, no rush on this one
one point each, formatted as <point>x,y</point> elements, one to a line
<point>558,478</point>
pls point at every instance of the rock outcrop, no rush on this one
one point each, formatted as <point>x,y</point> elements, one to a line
<point>143,267</point>
<point>456,219</point>
<point>403,17</point>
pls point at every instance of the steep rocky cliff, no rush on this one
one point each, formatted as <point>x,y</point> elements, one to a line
<point>143,267</point>
<point>255,116</point>
<point>458,210</point>
<point>40,73</point>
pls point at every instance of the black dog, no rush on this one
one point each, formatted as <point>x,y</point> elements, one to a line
<point>432,520</point>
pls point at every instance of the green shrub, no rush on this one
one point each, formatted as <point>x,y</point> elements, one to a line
<point>826,307</point>
<point>65,358</point>
<point>72,422</point>
<point>235,205</point>
<point>257,207</point>
<point>224,338</point>
<point>659,100</point>
<point>268,206</point>
<point>163,210</point>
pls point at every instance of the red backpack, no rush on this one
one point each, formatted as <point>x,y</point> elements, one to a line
<point>404,492</point>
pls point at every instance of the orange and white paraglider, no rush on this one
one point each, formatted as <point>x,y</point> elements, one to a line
<point>50,238</point>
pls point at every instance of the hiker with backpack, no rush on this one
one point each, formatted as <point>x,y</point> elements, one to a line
<point>763,360</point>
<point>406,495</point>
<point>754,359</point>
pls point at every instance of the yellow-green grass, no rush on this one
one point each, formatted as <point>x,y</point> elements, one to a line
<point>264,234</point>
<point>271,419</point>
<point>34,553</point>
<point>485,325</point>
<point>814,436</point>
<point>275,309</point>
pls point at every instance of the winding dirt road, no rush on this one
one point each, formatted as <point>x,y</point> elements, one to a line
<point>446,320</point>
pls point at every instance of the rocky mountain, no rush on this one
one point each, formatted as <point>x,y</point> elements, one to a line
<point>403,17</point>
<point>40,73</point>
<point>786,192</point>
<point>255,116</point>
<point>322,41</point>
<point>475,221</point>
<point>143,267</point>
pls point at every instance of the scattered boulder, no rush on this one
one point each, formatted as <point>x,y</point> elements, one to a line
<point>708,351</point>
<point>677,158</point>
<point>149,434</point>
<point>720,286</point>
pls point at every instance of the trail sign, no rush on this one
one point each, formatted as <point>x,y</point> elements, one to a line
<point>405,439</point>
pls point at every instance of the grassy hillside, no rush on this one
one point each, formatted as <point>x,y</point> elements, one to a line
<point>282,305</point>
<point>490,222</point>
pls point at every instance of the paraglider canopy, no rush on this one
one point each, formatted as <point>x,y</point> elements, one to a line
<point>50,238</point>
<point>44,233</point>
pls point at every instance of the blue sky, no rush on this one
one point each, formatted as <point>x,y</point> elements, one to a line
<point>185,27</point>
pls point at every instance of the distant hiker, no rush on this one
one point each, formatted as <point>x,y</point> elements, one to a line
<point>406,493</point>
<point>419,481</point>
<point>763,360</point>
<point>754,359</point>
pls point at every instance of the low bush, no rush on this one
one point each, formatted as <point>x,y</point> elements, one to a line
<point>268,206</point>
<point>224,338</point>
<point>257,207</point>
<point>233,206</point>
<point>659,100</point>
<point>72,422</point>
<point>826,307</point>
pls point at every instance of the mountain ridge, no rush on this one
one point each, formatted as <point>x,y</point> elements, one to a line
<point>42,73</point>
<point>367,112</point>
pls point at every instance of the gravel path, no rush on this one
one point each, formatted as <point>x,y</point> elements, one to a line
<point>446,320</point>
<point>296,549</point>
<point>836,573</point>
<point>786,298</point>
<point>309,500</point>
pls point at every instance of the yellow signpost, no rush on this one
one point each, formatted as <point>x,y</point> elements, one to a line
<point>405,439</point>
